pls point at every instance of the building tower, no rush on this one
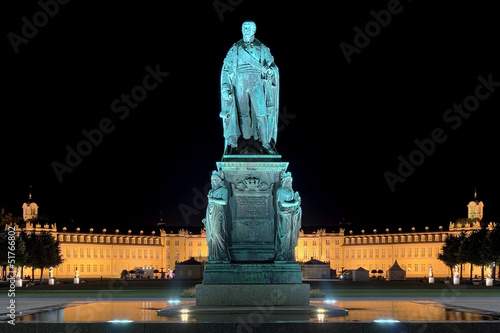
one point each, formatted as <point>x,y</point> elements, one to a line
<point>30,209</point>
<point>475,208</point>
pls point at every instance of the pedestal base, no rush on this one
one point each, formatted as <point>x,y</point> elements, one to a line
<point>76,280</point>
<point>51,281</point>
<point>19,283</point>
<point>296,294</point>
<point>287,272</point>
<point>456,279</point>
<point>431,279</point>
<point>489,282</point>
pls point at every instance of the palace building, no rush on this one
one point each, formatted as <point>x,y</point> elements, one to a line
<point>103,253</point>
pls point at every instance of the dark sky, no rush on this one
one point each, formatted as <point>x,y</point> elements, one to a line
<point>343,125</point>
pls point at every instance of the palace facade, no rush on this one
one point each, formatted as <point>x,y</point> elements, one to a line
<point>106,254</point>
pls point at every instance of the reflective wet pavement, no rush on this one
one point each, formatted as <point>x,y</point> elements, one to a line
<point>357,311</point>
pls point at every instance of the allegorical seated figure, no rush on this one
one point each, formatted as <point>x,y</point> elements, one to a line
<point>215,221</point>
<point>249,96</point>
<point>289,219</point>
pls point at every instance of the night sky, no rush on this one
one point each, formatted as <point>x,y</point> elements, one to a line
<point>353,107</point>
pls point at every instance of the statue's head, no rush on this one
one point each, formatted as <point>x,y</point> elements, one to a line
<point>248,30</point>
<point>286,179</point>
<point>217,178</point>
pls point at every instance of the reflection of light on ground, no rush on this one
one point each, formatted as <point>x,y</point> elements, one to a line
<point>384,312</point>
<point>391,311</point>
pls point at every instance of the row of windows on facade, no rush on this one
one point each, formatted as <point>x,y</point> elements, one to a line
<point>121,253</point>
<point>377,253</point>
<point>408,267</point>
<point>395,239</point>
<point>108,239</point>
<point>100,253</point>
<point>96,268</point>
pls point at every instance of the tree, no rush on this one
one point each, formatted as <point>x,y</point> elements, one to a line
<point>450,250</point>
<point>43,251</point>
<point>492,245</point>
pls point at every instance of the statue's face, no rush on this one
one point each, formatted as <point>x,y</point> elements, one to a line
<point>216,181</point>
<point>248,30</point>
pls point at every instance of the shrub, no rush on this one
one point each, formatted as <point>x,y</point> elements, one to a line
<point>317,293</point>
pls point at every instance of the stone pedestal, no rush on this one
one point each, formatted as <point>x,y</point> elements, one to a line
<point>252,182</point>
<point>51,281</point>
<point>456,279</point>
<point>431,279</point>
<point>489,282</point>
<point>19,282</point>
<point>252,273</point>
<point>76,280</point>
<point>253,294</point>
<point>252,277</point>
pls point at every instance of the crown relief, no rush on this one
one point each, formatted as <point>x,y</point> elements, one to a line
<point>252,183</point>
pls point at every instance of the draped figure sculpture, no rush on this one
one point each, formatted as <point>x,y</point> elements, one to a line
<point>216,219</point>
<point>289,219</point>
<point>249,96</point>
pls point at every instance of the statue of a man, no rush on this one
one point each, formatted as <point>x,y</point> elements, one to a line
<point>289,219</point>
<point>249,95</point>
<point>215,221</point>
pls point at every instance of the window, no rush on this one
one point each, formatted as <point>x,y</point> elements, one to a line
<point>314,254</point>
<point>376,253</point>
<point>364,253</point>
<point>337,242</point>
<point>402,253</point>
<point>133,254</point>
<point>395,253</point>
<point>121,253</point>
<point>352,254</point>
<point>108,253</point>
<point>305,243</point>
<point>145,254</point>
<point>416,252</point>
<point>101,253</point>
<point>429,252</point>
<point>101,268</point>
<point>139,253</point>
<point>422,252</point>
<point>199,243</point>
<point>88,253</point>
<point>305,254</point>
<point>168,254</point>
<point>176,242</point>
<point>347,254</point>
<point>88,268</point>
<point>190,243</point>
<point>314,243</point>
<point>371,253</point>
<point>416,267</point>
<point>383,253</point>
<point>327,242</point>
<point>94,268</point>
<point>359,253</point>
<point>127,253</point>
<point>68,252</point>
<point>95,253</point>
<point>327,253</point>
<point>337,256</point>
<point>409,252</point>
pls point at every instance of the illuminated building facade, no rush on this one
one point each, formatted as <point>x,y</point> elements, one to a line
<point>107,254</point>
